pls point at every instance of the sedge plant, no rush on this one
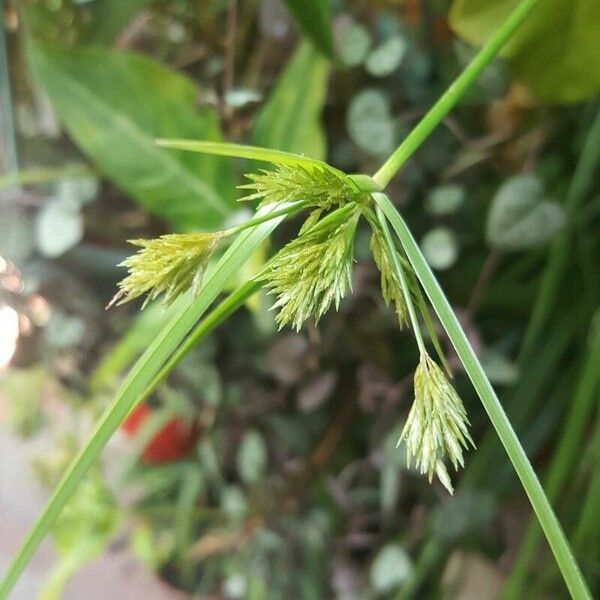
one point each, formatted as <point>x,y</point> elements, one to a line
<point>307,277</point>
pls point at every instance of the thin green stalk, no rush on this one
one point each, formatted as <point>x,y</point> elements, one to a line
<point>565,457</point>
<point>453,94</point>
<point>403,283</point>
<point>141,376</point>
<point>583,178</point>
<point>293,207</point>
<point>491,404</point>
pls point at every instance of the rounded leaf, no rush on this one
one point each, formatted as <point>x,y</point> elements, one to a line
<point>440,248</point>
<point>390,568</point>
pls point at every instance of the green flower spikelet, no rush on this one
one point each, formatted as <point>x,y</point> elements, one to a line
<point>166,266</point>
<point>314,270</point>
<point>437,424</point>
<point>320,187</point>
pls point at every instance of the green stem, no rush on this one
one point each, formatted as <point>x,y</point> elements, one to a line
<point>46,175</point>
<point>453,94</point>
<point>565,456</point>
<point>399,271</point>
<point>293,207</point>
<point>583,178</point>
<point>491,404</point>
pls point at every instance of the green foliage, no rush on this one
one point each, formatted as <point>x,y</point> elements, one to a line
<point>290,120</point>
<point>314,20</point>
<point>114,105</point>
<point>554,52</point>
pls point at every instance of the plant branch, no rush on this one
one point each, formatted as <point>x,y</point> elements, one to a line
<point>552,529</point>
<point>453,94</point>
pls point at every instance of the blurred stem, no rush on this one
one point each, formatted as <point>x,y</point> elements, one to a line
<point>453,94</point>
<point>583,178</point>
<point>565,456</point>
<point>428,557</point>
<point>491,403</point>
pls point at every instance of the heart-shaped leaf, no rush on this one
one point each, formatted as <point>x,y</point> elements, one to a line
<point>520,218</point>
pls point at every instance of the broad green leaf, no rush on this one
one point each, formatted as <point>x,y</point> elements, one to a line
<point>290,120</point>
<point>520,218</point>
<point>556,51</point>
<point>108,17</point>
<point>313,18</point>
<point>114,105</point>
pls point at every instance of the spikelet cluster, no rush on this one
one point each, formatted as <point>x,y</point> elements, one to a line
<point>314,270</point>
<point>166,266</point>
<point>436,427</point>
<point>319,187</point>
<point>391,290</point>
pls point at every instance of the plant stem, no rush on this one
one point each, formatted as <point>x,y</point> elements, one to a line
<point>453,94</point>
<point>541,506</point>
<point>282,212</point>
<point>399,271</point>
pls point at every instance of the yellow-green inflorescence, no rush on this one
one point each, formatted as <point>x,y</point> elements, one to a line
<point>166,266</point>
<point>437,423</point>
<point>309,275</point>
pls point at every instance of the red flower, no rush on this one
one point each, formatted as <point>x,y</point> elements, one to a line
<point>172,441</point>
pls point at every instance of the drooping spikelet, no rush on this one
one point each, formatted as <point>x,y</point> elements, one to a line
<point>437,424</point>
<point>167,266</point>
<point>391,290</point>
<point>315,269</point>
<point>319,187</point>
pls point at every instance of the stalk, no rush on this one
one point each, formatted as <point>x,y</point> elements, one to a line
<point>550,525</point>
<point>453,94</point>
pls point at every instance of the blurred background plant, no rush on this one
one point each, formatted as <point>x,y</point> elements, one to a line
<point>266,465</point>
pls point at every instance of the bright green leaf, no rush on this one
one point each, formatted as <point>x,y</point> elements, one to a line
<point>290,120</point>
<point>114,105</point>
<point>556,51</point>
<point>313,17</point>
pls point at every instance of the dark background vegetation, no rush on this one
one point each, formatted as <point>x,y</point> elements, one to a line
<point>294,486</point>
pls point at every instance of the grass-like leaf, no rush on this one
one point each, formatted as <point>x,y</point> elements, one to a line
<point>140,378</point>
<point>489,399</point>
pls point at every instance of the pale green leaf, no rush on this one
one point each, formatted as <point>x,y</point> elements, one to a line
<point>520,218</point>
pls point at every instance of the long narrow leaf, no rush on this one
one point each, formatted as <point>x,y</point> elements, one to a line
<point>133,388</point>
<point>491,403</point>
